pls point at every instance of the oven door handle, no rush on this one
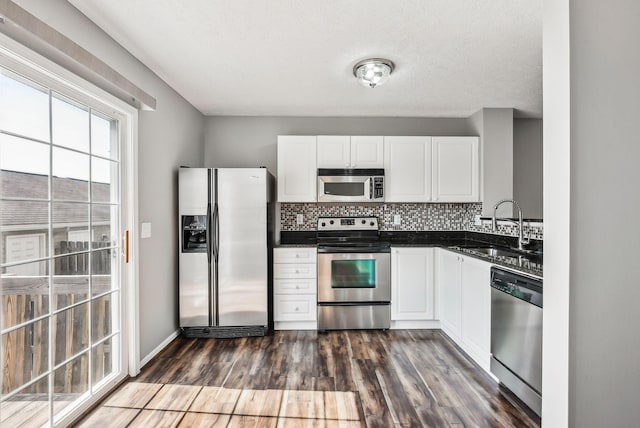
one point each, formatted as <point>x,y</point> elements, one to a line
<point>351,250</point>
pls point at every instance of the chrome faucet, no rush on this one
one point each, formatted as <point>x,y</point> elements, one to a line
<point>494,222</point>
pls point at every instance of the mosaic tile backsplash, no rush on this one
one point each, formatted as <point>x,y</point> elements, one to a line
<point>414,217</point>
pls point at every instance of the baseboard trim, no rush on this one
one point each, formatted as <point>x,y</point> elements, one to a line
<point>158,348</point>
<point>295,325</point>
<point>413,325</point>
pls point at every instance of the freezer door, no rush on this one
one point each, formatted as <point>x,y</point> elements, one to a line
<point>242,247</point>
<point>193,218</point>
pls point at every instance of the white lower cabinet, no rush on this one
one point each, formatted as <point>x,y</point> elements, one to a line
<point>449,275</point>
<point>295,289</point>
<point>476,310</point>
<point>464,290</point>
<point>412,289</point>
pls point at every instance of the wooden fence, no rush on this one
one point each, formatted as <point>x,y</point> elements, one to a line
<point>77,262</point>
<point>26,350</point>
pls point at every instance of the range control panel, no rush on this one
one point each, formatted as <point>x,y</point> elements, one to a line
<point>347,223</point>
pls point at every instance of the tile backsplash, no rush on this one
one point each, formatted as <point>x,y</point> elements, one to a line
<point>413,217</point>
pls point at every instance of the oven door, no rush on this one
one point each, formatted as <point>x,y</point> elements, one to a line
<point>354,277</point>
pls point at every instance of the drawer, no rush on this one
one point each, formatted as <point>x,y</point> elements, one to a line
<point>295,286</point>
<point>292,270</point>
<point>289,307</point>
<point>294,255</point>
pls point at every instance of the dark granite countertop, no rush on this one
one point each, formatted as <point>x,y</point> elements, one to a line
<point>463,242</point>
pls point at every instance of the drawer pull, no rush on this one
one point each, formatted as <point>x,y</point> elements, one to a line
<point>297,271</point>
<point>297,309</point>
<point>297,256</point>
<point>297,287</point>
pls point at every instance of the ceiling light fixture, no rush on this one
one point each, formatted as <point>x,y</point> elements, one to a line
<point>373,72</point>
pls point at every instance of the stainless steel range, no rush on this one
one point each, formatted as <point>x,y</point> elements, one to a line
<point>354,274</point>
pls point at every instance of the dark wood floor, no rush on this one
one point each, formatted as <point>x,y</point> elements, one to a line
<point>300,378</point>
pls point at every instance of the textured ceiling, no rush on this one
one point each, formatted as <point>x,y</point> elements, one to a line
<point>295,57</point>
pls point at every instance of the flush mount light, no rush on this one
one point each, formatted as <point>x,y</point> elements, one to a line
<point>373,71</point>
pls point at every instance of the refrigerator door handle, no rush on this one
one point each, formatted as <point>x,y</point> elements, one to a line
<point>217,231</point>
<point>208,233</point>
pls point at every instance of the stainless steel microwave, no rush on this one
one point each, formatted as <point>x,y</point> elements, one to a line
<point>350,185</point>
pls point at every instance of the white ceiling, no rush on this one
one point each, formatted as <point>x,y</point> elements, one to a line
<point>295,57</point>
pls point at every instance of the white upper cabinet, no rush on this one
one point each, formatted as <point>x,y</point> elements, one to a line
<point>343,151</point>
<point>455,169</point>
<point>407,164</point>
<point>297,170</point>
<point>412,288</point>
<point>367,152</point>
<point>334,151</point>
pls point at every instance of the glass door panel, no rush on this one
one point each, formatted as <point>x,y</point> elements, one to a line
<point>60,211</point>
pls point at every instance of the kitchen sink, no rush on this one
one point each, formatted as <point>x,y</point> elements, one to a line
<point>495,252</point>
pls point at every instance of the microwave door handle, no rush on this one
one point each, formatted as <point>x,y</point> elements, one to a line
<point>369,181</point>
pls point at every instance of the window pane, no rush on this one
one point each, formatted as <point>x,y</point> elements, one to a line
<point>24,297</point>
<point>28,408</point>
<point>24,107</point>
<point>70,124</point>
<point>24,168</point>
<point>70,283</point>
<point>70,382</point>
<point>25,227</point>
<point>71,332</point>
<point>104,316</point>
<point>70,228</point>
<point>104,186</point>
<point>104,271</point>
<point>104,141</point>
<point>25,354</point>
<point>70,175</point>
<point>102,355</point>
<point>104,221</point>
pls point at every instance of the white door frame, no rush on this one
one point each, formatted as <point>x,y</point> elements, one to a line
<point>19,58</point>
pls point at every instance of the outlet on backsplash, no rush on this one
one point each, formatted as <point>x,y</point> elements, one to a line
<point>300,219</point>
<point>396,219</point>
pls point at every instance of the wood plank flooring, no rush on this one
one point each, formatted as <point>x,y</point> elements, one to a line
<point>397,378</point>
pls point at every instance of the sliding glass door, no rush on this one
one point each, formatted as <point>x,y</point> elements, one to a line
<point>61,261</point>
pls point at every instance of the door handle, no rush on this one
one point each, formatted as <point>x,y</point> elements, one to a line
<point>126,246</point>
<point>217,230</point>
<point>208,234</point>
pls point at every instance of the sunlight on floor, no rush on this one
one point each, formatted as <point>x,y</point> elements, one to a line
<point>150,404</point>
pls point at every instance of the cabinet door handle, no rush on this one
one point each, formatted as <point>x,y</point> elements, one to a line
<point>297,309</point>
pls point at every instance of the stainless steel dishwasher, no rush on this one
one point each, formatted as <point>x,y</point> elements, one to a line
<point>516,334</point>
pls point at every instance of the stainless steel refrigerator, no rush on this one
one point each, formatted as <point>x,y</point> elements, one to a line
<point>225,238</point>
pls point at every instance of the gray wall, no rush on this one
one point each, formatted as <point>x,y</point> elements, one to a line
<point>242,141</point>
<point>527,166</point>
<point>604,346</point>
<point>168,137</point>
<point>495,128</point>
